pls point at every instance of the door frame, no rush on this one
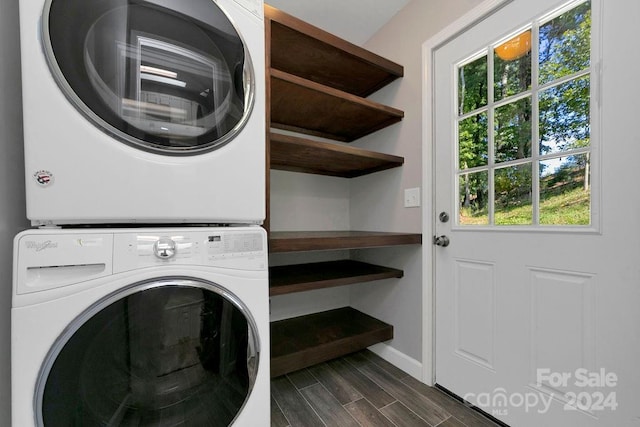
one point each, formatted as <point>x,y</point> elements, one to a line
<point>429,47</point>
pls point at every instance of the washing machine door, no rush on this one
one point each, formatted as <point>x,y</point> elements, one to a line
<point>172,352</point>
<point>172,77</point>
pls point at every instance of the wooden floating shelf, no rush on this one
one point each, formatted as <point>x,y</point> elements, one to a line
<point>307,51</point>
<point>304,341</point>
<point>291,153</point>
<point>316,85</point>
<point>298,241</point>
<point>303,106</point>
<point>305,277</point>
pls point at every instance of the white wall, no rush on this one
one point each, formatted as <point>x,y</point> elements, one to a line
<point>376,201</point>
<point>12,201</point>
<point>308,202</point>
<point>356,22</point>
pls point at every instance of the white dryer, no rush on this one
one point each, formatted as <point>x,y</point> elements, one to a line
<point>149,111</point>
<point>140,327</point>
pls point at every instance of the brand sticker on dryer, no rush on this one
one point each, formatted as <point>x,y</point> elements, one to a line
<point>44,178</point>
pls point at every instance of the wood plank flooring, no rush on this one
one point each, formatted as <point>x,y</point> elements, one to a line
<point>364,390</point>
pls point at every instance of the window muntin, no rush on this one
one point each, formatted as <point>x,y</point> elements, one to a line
<point>537,126</point>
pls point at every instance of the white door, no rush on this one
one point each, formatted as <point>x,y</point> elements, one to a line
<point>538,290</point>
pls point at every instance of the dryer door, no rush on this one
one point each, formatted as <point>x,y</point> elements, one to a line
<point>172,77</point>
<point>174,352</point>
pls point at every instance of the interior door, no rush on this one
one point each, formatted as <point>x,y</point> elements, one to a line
<point>536,275</point>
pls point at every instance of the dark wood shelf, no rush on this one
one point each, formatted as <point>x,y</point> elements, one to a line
<point>316,85</point>
<point>304,341</point>
<point>307,107</point>
<point>295,154</point>
<point>288,279</point>
<point>299,48</point>
<point>298,241</point>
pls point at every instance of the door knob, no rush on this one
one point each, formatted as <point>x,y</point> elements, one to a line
<point>441,241</point>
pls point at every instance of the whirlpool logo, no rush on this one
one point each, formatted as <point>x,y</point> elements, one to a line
<point>41,246</point>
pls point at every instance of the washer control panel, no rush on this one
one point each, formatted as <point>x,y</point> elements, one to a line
<point>241,248</point>
<point>46,259</point>
<point>225,246</point>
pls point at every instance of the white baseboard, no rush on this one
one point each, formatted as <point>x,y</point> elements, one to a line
<point>408,364</point>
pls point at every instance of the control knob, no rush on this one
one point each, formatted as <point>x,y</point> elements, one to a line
<point>164,248</point>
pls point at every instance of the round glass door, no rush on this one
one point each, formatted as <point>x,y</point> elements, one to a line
<point>171,352</point>
<point>164,76</point>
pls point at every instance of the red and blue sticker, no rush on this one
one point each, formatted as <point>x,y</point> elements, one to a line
<point>44,178</point>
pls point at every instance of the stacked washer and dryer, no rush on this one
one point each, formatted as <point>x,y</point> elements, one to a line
<point>141,298</point>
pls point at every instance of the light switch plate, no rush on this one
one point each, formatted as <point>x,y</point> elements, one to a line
<point>412,197</point>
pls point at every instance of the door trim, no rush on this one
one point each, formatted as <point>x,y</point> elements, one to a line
<point>475,15</point>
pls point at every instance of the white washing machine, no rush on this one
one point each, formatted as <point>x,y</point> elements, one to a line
<point>140,327</point>
<point>149,111</point>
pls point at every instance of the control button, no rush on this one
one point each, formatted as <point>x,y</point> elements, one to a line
<point>164,248</point>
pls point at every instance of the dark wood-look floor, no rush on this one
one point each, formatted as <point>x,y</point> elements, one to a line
<point>363,390</point>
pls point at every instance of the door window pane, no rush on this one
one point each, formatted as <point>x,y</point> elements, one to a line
<point>472,86</point>
<point>513,131</point>
<point>565,44</point>
<point>565,191</point>
<point>565,116</point>
<point>472,141</point>
<point>474,198</point>
<point>513,195</point>
<point>512,66</point>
